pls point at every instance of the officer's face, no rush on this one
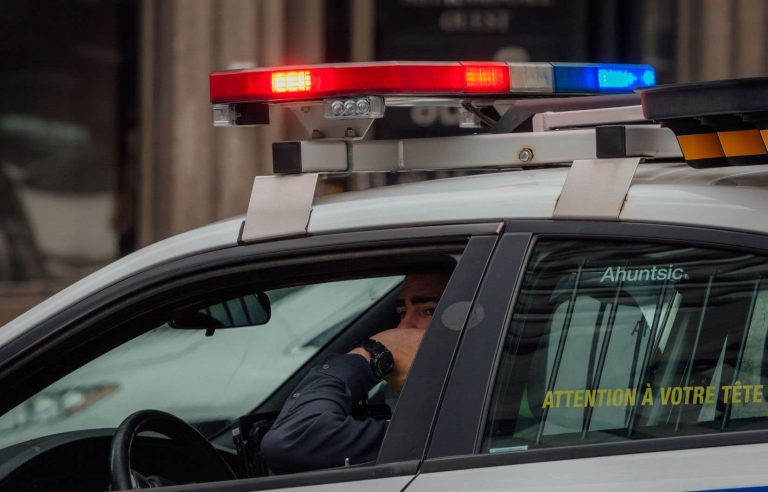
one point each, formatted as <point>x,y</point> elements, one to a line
<point>418,299</point>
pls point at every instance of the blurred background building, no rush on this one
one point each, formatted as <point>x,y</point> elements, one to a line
<point>106,141</point>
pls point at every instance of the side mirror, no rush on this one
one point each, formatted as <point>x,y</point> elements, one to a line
<point>237,312</point>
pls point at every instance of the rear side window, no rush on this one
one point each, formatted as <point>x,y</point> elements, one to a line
<point>613,341</point>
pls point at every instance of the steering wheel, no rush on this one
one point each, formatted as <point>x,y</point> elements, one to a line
<point>123,478</point>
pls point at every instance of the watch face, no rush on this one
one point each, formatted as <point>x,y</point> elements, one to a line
<point>382,362</point>
<point>385,363</point>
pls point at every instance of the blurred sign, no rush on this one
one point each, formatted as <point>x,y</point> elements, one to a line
<point>456,30</point>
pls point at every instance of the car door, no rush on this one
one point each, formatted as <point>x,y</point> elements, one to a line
<point>95,325</point>
<point>626,356</point>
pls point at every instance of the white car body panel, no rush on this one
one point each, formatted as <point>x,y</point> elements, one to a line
<point>732,198</point>
<point>691,469</point>
<point>514,195</point>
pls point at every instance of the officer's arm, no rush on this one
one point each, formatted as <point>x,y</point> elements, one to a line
<point>315,430</point>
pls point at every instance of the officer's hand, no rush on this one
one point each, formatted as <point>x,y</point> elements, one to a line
<point>403,343</point>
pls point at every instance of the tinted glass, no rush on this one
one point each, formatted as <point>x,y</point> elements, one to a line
<point>613,341</point>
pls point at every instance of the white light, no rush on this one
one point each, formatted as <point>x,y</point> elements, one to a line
<point>224,115</point>
<point>349,107</point>
<point>363,107</point>
<point>337,108</point>
<point>357,107</point>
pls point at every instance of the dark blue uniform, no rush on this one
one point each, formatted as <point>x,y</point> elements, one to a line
<point>315,428</point>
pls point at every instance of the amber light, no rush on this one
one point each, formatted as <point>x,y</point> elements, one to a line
<point>296,81</point>
<point>486,77</point>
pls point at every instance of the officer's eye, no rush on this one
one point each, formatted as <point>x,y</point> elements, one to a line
<point>401,314</point>
<point>429,311</point>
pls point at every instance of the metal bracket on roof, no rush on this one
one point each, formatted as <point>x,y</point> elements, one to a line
<point>617,141</point>
<point>313,156</point>
<point>280,206</point>
<point>430,154</point>
<point>518,113</point>
<point>486,151</point>
<point>587,117</point>
<point>595,189</point>
<point>312,118</point>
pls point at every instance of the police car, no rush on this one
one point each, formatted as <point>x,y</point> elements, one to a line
<point>605,325</point>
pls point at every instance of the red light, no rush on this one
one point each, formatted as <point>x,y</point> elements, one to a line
<point>397,78</point>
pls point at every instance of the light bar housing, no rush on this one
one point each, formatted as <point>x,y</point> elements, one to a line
<point>451,79</point>
<point>718,123</point>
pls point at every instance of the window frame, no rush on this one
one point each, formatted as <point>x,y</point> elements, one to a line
<point>75,323</point>
<point>454,449</point>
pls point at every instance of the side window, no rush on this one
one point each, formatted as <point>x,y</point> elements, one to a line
<point>613,341</point>
<point>206,380</point>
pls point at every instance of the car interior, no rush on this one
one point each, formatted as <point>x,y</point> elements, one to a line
<point>153,448</point>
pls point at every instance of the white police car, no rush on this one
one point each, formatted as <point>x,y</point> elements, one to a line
<point>605,325</point>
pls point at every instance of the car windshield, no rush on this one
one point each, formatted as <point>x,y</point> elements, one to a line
<point>206,380</point>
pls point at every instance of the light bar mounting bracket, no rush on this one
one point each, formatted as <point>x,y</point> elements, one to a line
<point>596,189</point>
<point>311,115</point>
<point>280,206</point>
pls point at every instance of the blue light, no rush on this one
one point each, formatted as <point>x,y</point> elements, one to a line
<point>649,77</point>
<point>599,78</point>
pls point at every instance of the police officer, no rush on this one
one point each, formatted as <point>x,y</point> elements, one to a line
<point>315,428</point>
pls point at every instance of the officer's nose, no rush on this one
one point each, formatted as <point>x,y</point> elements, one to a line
<point>408,320</point>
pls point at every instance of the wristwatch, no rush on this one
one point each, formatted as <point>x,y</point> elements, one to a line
<point>382,362</point>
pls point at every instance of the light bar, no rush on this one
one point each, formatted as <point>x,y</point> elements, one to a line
<point>453,79</point>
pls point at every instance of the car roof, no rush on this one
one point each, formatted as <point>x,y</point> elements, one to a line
<point>671,193</point>
<point>732,198</point>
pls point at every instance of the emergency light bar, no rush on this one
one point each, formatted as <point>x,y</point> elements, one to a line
<point>452,79</point>
<point>717,123</point>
